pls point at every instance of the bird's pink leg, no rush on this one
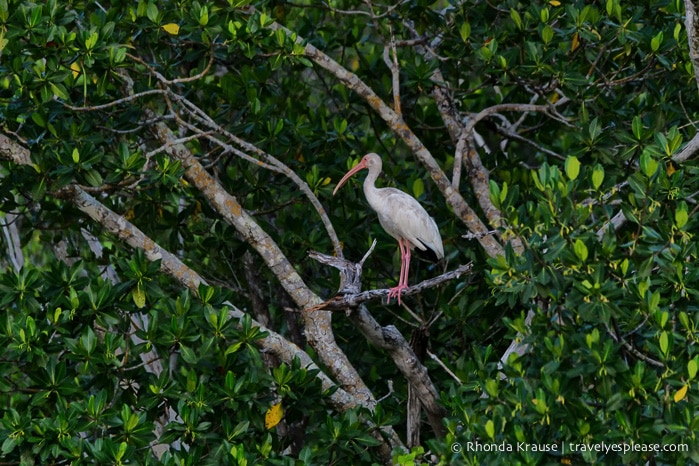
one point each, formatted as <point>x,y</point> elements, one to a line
<point>404,265</point>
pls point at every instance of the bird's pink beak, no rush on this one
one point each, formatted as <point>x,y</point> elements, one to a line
<point>361,165</point>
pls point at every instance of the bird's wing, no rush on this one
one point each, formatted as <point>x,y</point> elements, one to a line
<point>402,216</point>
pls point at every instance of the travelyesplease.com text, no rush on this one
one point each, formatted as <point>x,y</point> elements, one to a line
<point>566,448</point>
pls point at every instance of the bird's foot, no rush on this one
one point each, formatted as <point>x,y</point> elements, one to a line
<point>395,293</point>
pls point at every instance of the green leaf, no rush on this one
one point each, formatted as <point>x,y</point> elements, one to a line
<point>491,387</point>
<point>676,32</point>
<point>38,119</point>
<point>597,176</point>
<point>664,343</point>
<point>8,445</point>
<point>572,167</point>
<point>204,16</point>
<point>91,40</point>
<point>648,164</point>
<point>188,355</point>
<point>503,193</point>
<point>681,214</point>
<point>544,15</point>
<point>418,188</point>
<point>490,429</point>
<point>692,367</point>
<point>656,41</point>
<point>465,31</point>
<point>239,429</point>
<point>233,348</point>
<point>516,18</point>
<point>580,250</point>
<point>537,181</point>
<point>139,295</point>
<point>637,127</point>
<point>152,12</point>
<point>280,36</point>
<point>684,320</point>
<point>59,91</point>
<point>547,34</point>
<point>494,192</point>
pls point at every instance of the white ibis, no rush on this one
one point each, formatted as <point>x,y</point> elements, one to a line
<point>402,216</point>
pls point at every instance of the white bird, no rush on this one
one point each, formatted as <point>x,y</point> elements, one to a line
<point>402,216</point>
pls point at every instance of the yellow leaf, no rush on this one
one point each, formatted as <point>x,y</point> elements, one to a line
<point>680,394</point>
<point>576,42</point>
<point>671,169</point>
<point>273,415</point>
<point>555,3</point>
<point>172,28</point>
<point>76,69</point>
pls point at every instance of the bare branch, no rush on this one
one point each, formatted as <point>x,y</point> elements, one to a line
<point>370,13</point>
<point>352,299</point>
<point>114,103</point>
<point>631,349</point>
<point>396,123</point>
<point>444,366</point>
<point>689,150</point>
<point>388,338</point>
<point>395,72</point>
<point>691,23</point>
<point>228,207</point>
<point>169,82</point>
<point>8,224</point>
<point>265,160</point>
<point>174,267</point>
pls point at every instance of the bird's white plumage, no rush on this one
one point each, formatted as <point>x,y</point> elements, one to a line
<point>401,215</point>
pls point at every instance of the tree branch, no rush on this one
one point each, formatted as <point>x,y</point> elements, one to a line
<point>388,338</point>
<point>174,267</point>
<point>351,273</point>
<point>267,161</point>
<point>397,125</point>
<point>691,23</point>
<point>317,324</point>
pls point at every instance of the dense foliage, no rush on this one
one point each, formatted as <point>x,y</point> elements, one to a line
<point>572,115</point>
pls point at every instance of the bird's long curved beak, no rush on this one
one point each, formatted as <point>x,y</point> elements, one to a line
<point>361,165</point>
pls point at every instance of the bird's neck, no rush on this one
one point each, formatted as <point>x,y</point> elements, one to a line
<point>371,192</point>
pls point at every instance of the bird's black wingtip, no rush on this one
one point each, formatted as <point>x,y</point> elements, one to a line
<point>428,254</point>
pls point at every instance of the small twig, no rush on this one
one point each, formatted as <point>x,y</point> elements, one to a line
<point>368,253</point>
<point>519,137</point>
<point>167,146</point>
<point>390,391</point>
<point>479,235</point>
<point>628,347</point>
<point>370,13</point>
<point>114,103</point>
<point>444,366</point>
<point>169,82</point>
